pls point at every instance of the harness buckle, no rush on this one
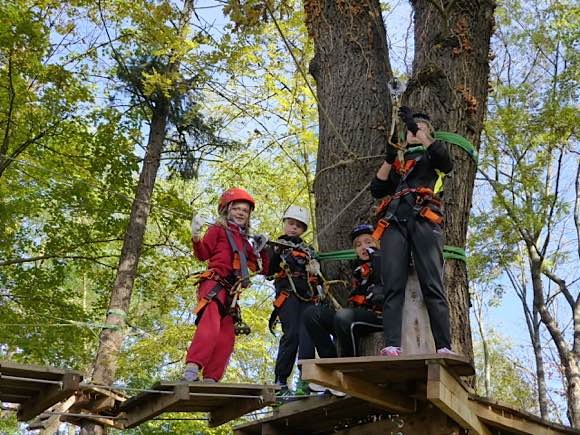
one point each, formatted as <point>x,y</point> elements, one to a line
<point>382,226</point>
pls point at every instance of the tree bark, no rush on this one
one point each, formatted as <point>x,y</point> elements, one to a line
<point>351,68</point>
<point>567,356</point>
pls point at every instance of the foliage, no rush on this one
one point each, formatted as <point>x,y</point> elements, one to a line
<point>511,383</point>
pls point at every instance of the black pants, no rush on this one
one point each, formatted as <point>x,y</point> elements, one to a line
<point>295,339</point>
<point>424,240</point>
<point>346,325</point>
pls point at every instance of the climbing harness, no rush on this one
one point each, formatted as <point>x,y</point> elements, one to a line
<point>233,286</point>
<point>426,202</point>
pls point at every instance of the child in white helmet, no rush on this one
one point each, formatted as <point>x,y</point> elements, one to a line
<point>295,291</point>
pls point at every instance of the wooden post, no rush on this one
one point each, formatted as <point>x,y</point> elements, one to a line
<point>416,335</point>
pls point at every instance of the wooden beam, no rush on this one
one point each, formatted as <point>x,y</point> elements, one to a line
<point>512,423</point>
<point>237,407</point>
<point>155,406</point>
<point>49,396</point>
<point>357,387</point>
<point>445,392</point>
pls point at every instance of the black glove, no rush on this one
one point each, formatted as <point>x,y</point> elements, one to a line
<point>390,154</point>
<point>376,295</point>
<point>272,321</point>
<point>406,115</point>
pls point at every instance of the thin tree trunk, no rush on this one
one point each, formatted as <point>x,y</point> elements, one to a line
<point>111,339</point>
<point>540,372</point>
<point>567,357</point>
<point>450,83</point>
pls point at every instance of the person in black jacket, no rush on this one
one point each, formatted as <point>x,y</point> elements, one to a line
<point>295,291</point>
<point>363,314</point>
<point>411,224</point>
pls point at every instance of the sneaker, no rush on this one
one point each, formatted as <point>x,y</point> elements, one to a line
<point>336,392</point>
<point>283,391</point>
<point>302,388</point>
<point>316,388</point>
<point>390,351</point>
<point>191,373</point>
<point>446,351</point>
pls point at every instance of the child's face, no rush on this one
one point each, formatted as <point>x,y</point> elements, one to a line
<point>360,245</point>
<point>239,212</point>
<point>293,228</point>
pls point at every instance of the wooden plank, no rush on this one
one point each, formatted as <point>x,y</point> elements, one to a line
<point>155,405</point>
<point>505,420</point>
<point>416,335</point>
<point>318,414</point>
<point>448,395</point>
<point>49,396</point>
<point>234,408</point>
<point>34,371</point>
<point>358,388</point>
<point>411,367</point>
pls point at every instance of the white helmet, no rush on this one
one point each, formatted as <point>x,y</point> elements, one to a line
<point>299,213</point>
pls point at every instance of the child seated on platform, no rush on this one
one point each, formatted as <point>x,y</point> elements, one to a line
<point>364,312</point>
<point>231,258</point>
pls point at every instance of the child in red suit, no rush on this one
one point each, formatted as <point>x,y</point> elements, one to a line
<point>231,258</point>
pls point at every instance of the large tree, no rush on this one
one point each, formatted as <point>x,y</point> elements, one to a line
<point>449,81</point>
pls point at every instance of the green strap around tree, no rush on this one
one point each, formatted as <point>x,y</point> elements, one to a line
<point>458,140</point>
<point>449,253</point>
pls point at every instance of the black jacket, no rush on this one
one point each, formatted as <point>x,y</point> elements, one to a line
<point>296,262</point>
<point>366,282</point>
<point>423,174</point>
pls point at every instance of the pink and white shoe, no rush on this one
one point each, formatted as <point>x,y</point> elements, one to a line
<point>390,351</point>
<point>446,351</point>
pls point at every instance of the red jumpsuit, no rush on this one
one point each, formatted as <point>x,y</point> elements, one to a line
<point>213,340</point>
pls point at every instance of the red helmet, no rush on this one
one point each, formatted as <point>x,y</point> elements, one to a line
<point>235,194</point>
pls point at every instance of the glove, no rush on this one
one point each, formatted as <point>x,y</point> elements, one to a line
<point>390,154</point>
<point>406,115</point>
<point>272,321</point>
<point>260,241</point>
<point>376,295</point>
<point>196,224</point>
<point>313,267</point>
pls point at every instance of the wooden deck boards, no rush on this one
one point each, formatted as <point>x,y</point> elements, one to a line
<point>35,388</point>
<point>224,402</point>
<point>313,415</point>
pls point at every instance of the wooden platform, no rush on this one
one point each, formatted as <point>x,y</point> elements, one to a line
<point>322,414</point>
<point>35,388</point>
<point>224,402</point>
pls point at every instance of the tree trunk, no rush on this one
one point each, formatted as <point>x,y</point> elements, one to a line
<point>351,68</point>
<point>450,83</point>
<point>567,357</point>
<point>111,338</point>
<point>540,372</point>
